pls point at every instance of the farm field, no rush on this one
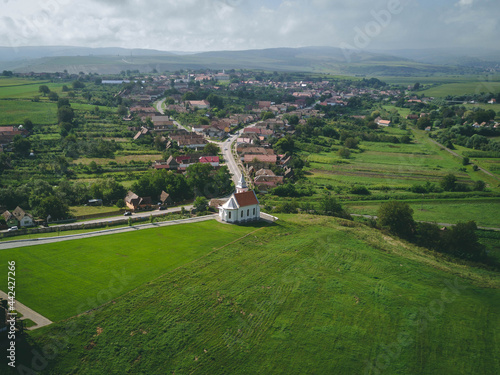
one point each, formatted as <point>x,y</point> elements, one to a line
<point>483,211</point>
<point>386,165</point>
<point>27,90</point>
<point>306,295</point>
<point>462,88</point>
<point>75,272</point>
<point>14,112</point>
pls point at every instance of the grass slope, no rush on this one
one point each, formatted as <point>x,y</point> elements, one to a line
<point>60,280</point>
<point>309,295</point>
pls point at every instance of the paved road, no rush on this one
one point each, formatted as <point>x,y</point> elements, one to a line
<point>159,108</point>
<point>40,320</point>
<point>37,241</point>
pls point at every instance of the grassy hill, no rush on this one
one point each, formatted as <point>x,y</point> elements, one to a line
<point>306,59</point>
<point>307,295</point>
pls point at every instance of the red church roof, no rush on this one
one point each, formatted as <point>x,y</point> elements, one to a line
<point>246,198</point>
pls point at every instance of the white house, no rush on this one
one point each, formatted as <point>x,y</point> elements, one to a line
<point>243,205</point>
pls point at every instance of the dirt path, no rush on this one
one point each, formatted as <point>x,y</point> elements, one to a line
<point>40,320</point>
<point>459,156</point>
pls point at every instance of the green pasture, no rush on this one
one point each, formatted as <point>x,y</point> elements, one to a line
<point>462,88</point>
<point>308,295</point>
<point>28,91</point>
<point>59,279</point>
<point>14,112</point>
<point>15,81</point>
<point>483,211</point>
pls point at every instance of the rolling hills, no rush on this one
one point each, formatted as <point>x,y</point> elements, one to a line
<point>307,59</point>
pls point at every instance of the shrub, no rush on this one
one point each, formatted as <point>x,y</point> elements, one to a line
<point>360,190</point>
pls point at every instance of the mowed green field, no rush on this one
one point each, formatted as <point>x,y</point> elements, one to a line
<point>308,295</point>
<point>14,112</point>
<point>60,280</point>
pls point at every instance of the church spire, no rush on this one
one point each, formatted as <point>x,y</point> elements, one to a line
<point>241,186</point>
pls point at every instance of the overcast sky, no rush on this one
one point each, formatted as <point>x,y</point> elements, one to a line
<point>208,25</point>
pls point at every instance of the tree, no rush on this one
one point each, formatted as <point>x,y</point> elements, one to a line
<point>266,115</point>
<point>44,89</point>
<point>78,85</point>
<point>424,122</point>
<point>344,153</point>
<point>159,142</point>
<point>330,206</point>
<point>65,114</point>
<point>53,206</point>
<point>215,101</point>
<point>293,120</point>
<point>479,185</point>
<point>211,149</point>
<point>198,177</point>
<point>461,240</point>
<point>351,142</point>
<point>397,217</point>
<point>63,102</point>
<point>53,96</point>
<point>285,145</point>
<point>200,204</point>
<point>22,146</point>
<point>188,96</point>
<point>449,182</point>
<point>122,110</point>
<point>28,124</point>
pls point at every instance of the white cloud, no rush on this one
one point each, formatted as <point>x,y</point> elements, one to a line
<point>465,3</point>
<point>198,25</point>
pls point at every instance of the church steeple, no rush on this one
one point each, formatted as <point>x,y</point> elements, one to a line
<point>241,186</point>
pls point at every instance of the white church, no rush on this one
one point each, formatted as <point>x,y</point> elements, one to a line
<point>243,205</point>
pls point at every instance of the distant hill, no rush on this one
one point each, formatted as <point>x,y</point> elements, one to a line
<point>24,53</point>
<point>450,56</point>
<point>307,59</point>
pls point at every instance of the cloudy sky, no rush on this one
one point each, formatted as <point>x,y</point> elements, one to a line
<point>207,25</point>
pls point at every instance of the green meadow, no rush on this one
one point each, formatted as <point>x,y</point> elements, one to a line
<point>307,295</point>
<point>62,279</point>
<point>14,112</point>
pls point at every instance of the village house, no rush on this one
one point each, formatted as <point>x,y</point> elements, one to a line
<point>165,199</point>
<point>18,217</point>
<point>250,159</point>
<point>212,160</point>
<point>189,140</point>
<point>200,104</point>
<point>381,122</point>
<point>265,179</point>
<point>242,206</point>
<point>7,133</point>
<point>136,203</point>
